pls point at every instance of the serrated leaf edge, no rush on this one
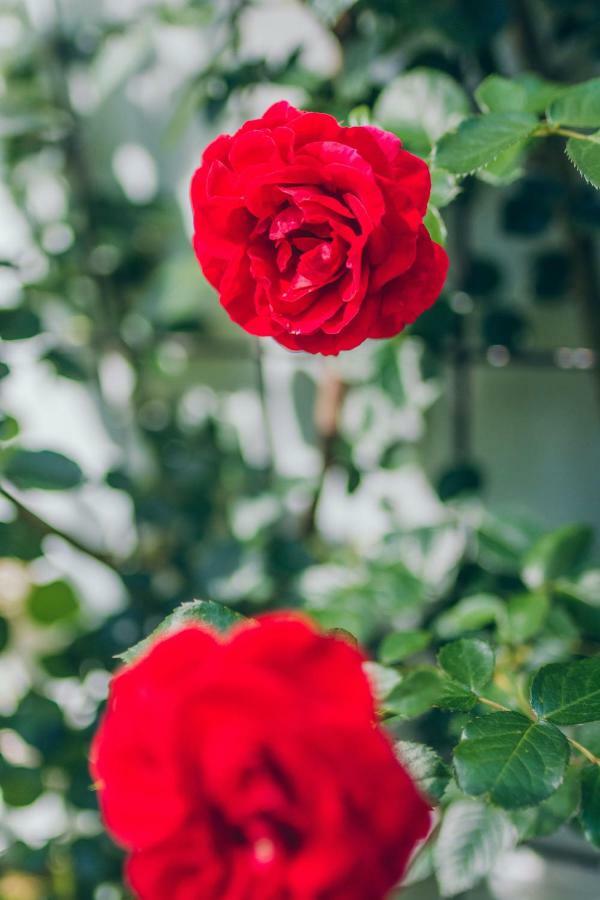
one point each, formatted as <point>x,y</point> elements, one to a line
<point>573,161</point>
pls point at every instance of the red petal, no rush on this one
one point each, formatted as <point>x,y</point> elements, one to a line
<point>280,113</point>
<point>253,148</point>
<point>405,298</point>
<point>379,147</point>
<point>315,126</point>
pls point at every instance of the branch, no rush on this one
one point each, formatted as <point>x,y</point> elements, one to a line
<point>330,396</point>
<point>45,528</point>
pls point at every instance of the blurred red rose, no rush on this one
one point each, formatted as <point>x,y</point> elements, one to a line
<point>252,768</point>
<point>313,233</point>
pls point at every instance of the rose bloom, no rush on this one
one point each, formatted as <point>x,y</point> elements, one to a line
<point>251,767</point>
<point>312,233</point>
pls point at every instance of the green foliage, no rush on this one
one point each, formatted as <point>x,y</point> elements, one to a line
<point>579,106</point>
<point>523,93</point>
<point>435,225</point>
<point>9,428</point>
<point>560,807</point>
<point>524,617</point>
<point>590,804</point>
<point>21,786</point>
<point>585,156</point>
<point>480,140</point>
<point>420,106</point>
<point>512,760</point>
<point>469,614</point>
<point>43,469</point>
<point>494,143</point>
<point>106,304</point>
<point>429,771</point>
<point>400,645</point>
<point>51,603</point>
<point>556,554</point>
<point>472,838</point>
<point>4,633</point>
<point>417,692</point>
<point>568,693</point>
<point>18,324</point>
<point>468,662</point>
<point>213,615</point>
<point>498,94</point>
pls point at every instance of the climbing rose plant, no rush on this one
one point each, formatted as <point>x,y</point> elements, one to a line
<point>251,764</point>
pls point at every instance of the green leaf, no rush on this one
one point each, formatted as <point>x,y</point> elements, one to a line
<point>567,693</point>
<point>578,106</point>
<point>586,588</point>
<point>40,722</point>
<point>498,94</point>
<point>215,615</point>
<point>66,364</point>
<point>501,544</point>
<point>513,760</point>
<point>4,633</point>
<point>469,614</point>
<point>421,865</point>
<point>472,838</point>
<point>538,91</point>
<point>590,804</point>
<point>585,156</point>
<point>21,786</point>
<point>456,697</point>
<point>18,324</point>
<point>545,819</point>
<point>400,645</point>
<point>9,427</point>
<point>469,662</point>
<point>435,225</point>
<point>525,616</point>
<point>524,93</point>
<point>443,188</point>
<point>53,602</point>
<point>481,139</point>
<point>415,694</point>
<point>583,599</point>
<point>360,115</point>
<point>383,679</point>
<point>42,469</point>
<point>428,770</point>
<point>557,554</point>
<point>506,168</point>
<point>426,98</point>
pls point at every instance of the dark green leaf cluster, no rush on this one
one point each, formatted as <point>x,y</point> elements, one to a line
<point>509,710</point>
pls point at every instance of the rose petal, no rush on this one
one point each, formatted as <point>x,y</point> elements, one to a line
<point>405,298</point>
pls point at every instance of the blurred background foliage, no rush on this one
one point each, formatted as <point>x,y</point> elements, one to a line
<point>150,452</point>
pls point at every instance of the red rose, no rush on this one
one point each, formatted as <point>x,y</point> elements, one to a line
<point>313,233</point>
<point>252,768</point>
